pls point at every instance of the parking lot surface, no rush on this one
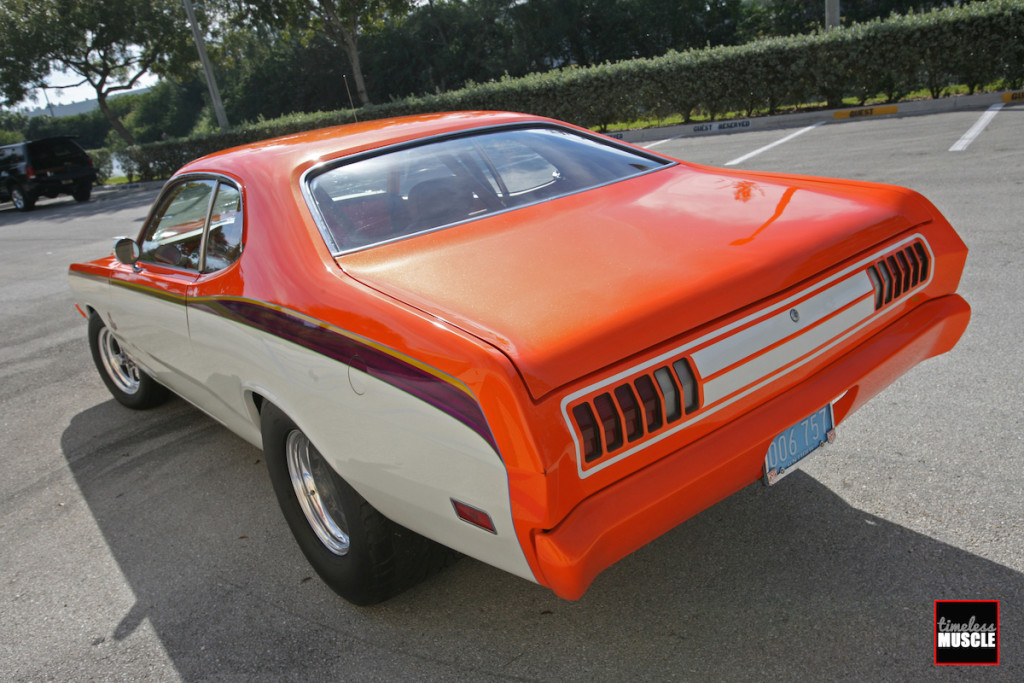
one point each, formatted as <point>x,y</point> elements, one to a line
<point>150,546</point>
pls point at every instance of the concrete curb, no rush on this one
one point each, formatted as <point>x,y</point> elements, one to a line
<point>913,108</point>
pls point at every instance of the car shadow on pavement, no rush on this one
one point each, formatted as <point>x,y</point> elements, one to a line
<point>782,583</point>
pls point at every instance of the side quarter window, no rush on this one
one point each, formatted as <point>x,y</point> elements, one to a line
<point>175,234</point>
<point>224,239</point>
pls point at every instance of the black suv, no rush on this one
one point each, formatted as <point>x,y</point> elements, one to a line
<point>46,167</point>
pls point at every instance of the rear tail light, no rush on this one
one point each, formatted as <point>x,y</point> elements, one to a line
<point>898,273</point>
<point>30,172</point>
<point>669,390</point>
<point>610,423</point>
<point>691,399</point>
<point>650,401</point>
<point>583,416</point>
<point>633,420</point>
<point>633,410</point>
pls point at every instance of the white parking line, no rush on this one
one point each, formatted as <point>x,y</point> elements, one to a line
<point>651,145</point>
<point>979,125</point>
<point>740,160</point>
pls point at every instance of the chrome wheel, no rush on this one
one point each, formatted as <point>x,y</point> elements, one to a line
<point>119,367</point>
<point>313,481</point>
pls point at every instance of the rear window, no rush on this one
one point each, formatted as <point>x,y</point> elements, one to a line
<point>55,152</point>
<point>412,190</point>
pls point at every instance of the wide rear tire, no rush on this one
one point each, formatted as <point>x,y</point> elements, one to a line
<point>358,552</point>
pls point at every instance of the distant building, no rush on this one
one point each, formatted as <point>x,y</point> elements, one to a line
<point>71,109</point>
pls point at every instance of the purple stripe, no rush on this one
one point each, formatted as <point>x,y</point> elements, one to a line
<point>411,379</point>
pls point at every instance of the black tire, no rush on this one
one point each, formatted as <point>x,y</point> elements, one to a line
<point>377,558</point>
<point>126,381</point>
<point>22,200</point>
<point>82,192</point>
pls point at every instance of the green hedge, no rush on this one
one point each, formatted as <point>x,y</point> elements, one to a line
<point>970,45</point>
<point>104,163</point>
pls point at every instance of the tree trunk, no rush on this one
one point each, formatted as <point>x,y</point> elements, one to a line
<point>115,123</point>
<point>347,30</point>
<point>352,52</point>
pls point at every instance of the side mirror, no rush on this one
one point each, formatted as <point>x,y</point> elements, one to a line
<point>127,251</point>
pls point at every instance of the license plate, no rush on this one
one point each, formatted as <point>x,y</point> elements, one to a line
<point>797,442</point>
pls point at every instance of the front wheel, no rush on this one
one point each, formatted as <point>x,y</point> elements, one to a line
<point>128,383</point>
<point>362,555</point>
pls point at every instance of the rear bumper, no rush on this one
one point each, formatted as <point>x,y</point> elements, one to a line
<point>62,183</point>
<point>623,517</point>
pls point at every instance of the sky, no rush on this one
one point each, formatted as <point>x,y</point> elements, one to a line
<point>69,95</point>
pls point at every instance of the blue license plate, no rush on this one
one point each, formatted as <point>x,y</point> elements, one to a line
<point>797,442</point>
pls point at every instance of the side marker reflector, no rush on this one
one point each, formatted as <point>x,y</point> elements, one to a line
<point>474,516</point>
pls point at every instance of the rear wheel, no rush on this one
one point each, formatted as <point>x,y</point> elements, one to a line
<point>22,200</point>
<point>128,383</point>
<point>362,555</point>
<point>82,192</point>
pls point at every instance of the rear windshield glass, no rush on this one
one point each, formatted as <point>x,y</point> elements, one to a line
<point>417,189</point>
<point>55,152</point>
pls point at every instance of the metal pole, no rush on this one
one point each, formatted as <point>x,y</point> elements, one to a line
<point>831,13</point>
<point>211,82</point>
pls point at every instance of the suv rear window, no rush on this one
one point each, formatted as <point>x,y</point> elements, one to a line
<point>411,190</point>
<point>55,152</point>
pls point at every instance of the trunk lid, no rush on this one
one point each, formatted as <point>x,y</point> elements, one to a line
<point>568,287</point>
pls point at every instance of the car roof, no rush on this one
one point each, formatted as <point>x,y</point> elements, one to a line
<point>305,149</point>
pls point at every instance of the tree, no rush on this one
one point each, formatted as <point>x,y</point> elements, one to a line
<point>344,21</point>
<point>110,44</point>
<point>11,126</point>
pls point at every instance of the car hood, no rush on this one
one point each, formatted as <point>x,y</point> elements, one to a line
<point>568,287</point>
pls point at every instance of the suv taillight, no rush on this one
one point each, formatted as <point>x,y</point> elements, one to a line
<point>30,172</point>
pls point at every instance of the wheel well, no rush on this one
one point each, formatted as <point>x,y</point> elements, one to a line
<point>254,406</point>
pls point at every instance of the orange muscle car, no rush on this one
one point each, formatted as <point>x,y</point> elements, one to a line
<point>509,337</point>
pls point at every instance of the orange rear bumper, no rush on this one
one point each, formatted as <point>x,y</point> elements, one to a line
<point>619,519</point>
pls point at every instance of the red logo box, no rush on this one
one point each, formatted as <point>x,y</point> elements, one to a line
<point>967,632</point>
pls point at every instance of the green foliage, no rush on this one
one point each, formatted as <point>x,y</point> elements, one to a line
<point>109,44</point>
<point>90,128</point>
<point>973,44</point>
<point>307,72</point>
<point>103,160</point>
<point>168,110</point>
<point>11,126</point>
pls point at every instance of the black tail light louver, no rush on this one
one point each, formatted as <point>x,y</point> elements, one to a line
<point>632,410</point>
<point>898,273</point>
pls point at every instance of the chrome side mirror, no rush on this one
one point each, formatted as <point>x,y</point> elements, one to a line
<point>127,251</point>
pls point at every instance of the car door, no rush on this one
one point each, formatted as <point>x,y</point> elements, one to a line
<point>222,349</point>
<point>148,300</point>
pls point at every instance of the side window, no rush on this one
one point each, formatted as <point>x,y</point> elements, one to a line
<point>175,234</point>
<point>224,239</point>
